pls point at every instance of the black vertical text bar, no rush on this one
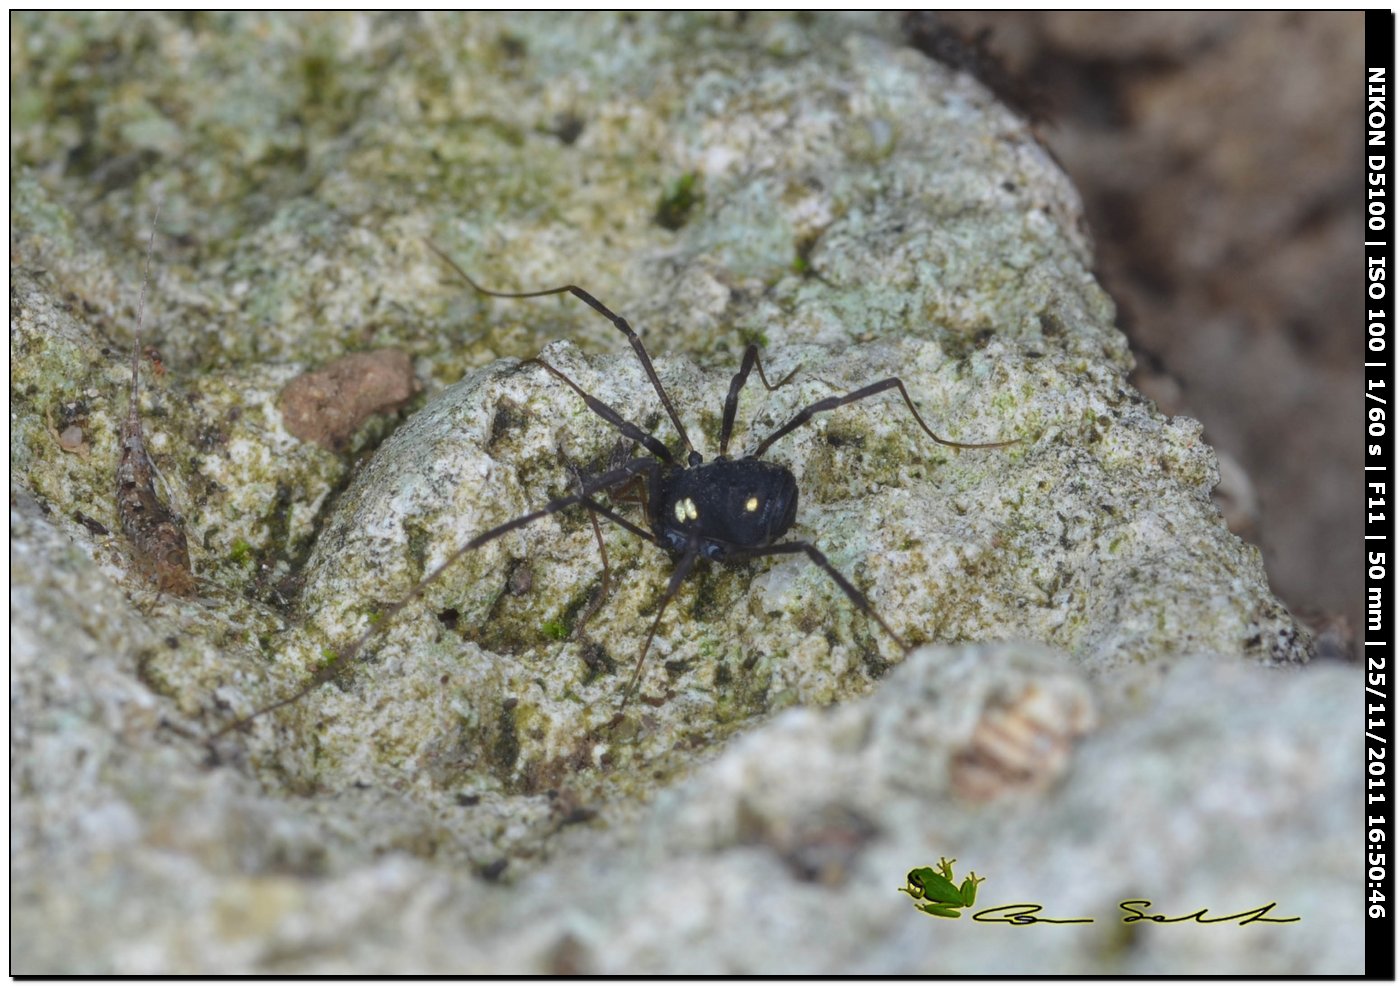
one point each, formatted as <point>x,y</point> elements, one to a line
<point>1379,426</point>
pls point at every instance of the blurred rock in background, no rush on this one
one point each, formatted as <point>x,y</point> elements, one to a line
<point>1219,167</point>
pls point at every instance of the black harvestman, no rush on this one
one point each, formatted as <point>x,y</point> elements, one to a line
<point>726,510</point>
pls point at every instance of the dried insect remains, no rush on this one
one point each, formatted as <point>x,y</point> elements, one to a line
<point>155,533</point>
<point>726,510</point>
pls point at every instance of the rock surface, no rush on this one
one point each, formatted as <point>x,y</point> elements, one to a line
<point>808,185</point>
<point>1227,239</point>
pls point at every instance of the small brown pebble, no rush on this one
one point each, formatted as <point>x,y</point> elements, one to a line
<point>71,438</point>
<point>327,405</point>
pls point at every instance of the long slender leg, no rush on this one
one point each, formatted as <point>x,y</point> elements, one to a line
<point>682,569</point>
<point>611,416</point>
<point>620,521</point>
<point>595,511</point>
<point>731,402</point>
<point>629,494</point>
<point>634,491</point>
<point>852,593</point>
<point>597,601</point>
<point>601,309</point>
<point>342,659</point>
<point>828,403</point>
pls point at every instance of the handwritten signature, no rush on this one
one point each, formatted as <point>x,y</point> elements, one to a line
<point>936,892</point>
<point>1137,910</point>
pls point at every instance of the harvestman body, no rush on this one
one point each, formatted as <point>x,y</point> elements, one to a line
<point>726,510</point>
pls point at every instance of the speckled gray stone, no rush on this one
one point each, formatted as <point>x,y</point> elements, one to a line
<point>453,803</point>
<point>1063,538</point>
